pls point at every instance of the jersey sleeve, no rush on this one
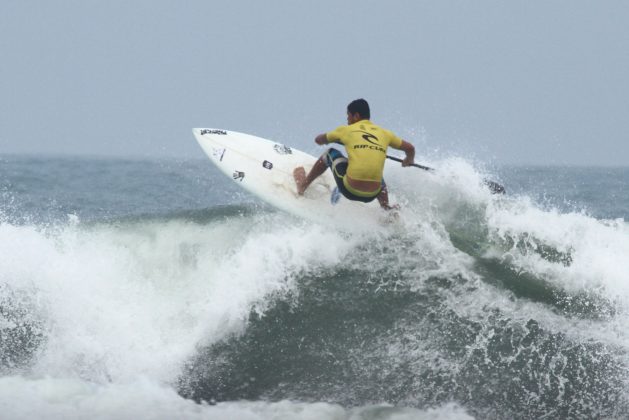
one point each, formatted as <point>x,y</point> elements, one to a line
<point>394,141</point>
<point>336,134</point>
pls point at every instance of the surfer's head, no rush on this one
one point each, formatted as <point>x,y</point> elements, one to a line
<point>357,110</point>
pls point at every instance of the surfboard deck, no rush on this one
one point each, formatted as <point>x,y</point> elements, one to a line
<point>265,169</point>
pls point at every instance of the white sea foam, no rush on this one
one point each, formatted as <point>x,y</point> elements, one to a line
<point>120,301</point>
<point>68,399</point>
<point>588,256</point>
<point>596,249</point>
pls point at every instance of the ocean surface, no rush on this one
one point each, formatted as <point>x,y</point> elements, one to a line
<point>159,289</point>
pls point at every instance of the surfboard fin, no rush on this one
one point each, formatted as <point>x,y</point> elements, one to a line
<point>335,196</point>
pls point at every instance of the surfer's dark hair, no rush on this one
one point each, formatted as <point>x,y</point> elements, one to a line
<point>360,107</point>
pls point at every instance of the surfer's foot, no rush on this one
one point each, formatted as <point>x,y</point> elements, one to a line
<point>300,179</point>
<point>393,207</point>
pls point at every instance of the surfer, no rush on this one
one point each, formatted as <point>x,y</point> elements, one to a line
<point>358,176</point>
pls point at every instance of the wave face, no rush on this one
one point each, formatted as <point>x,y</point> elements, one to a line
<point>470,305</point>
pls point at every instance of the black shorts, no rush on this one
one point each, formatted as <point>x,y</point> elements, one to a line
<point>338,165</point>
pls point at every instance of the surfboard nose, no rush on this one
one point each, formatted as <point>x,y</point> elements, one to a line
<point>197,134</point>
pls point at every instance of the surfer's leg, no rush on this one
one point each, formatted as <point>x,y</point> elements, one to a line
<point>303,181</point>
<point>383,198</point>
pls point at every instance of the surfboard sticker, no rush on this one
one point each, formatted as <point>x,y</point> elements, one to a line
<point>238,176</point>
<point>268,165</point>
<point>213,131</point>
<point>283,150</point>
<point>218,153</point>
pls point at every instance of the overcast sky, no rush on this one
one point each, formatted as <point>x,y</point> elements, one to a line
<point>543,82</point>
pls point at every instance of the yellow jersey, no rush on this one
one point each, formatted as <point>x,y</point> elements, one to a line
<point>366,145</point>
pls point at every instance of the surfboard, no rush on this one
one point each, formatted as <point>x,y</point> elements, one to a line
<point>265,169</point>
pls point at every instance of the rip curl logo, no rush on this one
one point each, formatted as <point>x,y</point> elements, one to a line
<point>208,131</point>
<point>368,137</point>
<point>367,146</point>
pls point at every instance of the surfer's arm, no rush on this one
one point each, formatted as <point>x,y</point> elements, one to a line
<point>333,136</point>
<point>322,140</point>
<point>409,149</point>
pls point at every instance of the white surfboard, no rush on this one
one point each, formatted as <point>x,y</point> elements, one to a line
<point>265,169</point>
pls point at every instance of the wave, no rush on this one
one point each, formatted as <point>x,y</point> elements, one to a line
<point>493,302</point>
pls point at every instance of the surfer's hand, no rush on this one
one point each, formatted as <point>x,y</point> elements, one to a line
<point>408,161</point>
<point>409,149</point>
<point>321,139</point>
